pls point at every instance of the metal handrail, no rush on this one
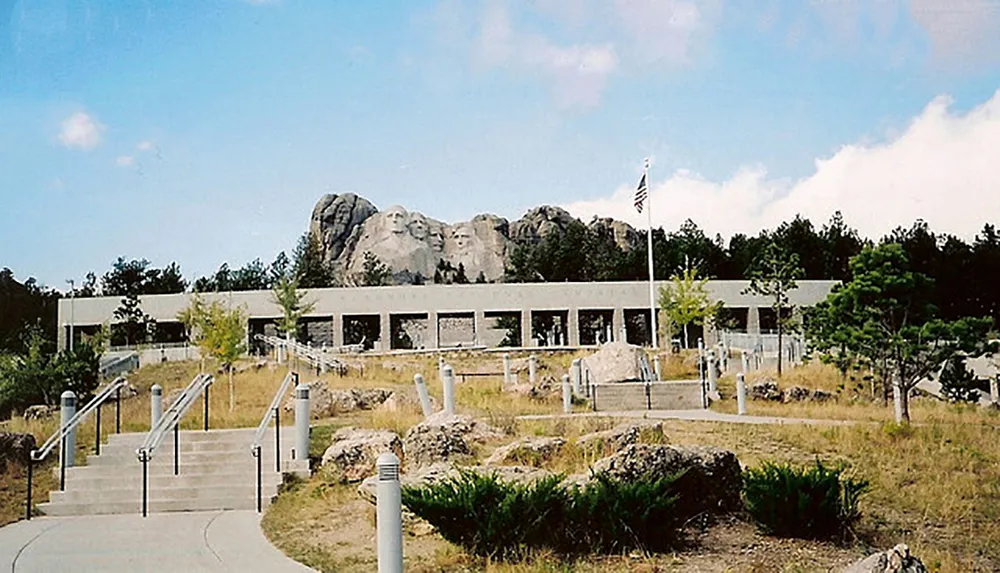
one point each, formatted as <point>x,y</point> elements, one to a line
<point>273,412</point>
<point>171,420</point>
<point>39,454</point>
<point>313,355</point>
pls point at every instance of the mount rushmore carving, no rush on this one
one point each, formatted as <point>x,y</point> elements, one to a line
<point>413,245</point>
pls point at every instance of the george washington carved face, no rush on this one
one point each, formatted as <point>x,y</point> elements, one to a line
<point>396,219</point>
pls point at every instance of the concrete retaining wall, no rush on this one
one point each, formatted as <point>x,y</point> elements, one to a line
<point>680,395</point>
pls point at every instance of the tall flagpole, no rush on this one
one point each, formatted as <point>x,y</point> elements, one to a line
<point>649,251</point>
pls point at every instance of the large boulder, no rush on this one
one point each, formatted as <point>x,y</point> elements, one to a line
<point>39,412</point>
<point>334,219</point>
<point>325,402</point>
<point>795,394</point>
<point>15,448</point>
<point>352,453</point>
<point>442,438</point>
<point>406,401</point>
<point>621,436</point>
<point>766,390</point>
<point>530,451</point>
<point>712,477</point>
<point>614,362</point>
<point>895,560</point>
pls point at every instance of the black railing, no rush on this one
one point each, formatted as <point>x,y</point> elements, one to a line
<point>273,412</point>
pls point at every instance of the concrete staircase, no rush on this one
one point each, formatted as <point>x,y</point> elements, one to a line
<point>216,471</point>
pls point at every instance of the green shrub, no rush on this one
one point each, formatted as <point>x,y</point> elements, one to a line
<point>812,503</point>
<point>492,518</point>
<point>612,516</point>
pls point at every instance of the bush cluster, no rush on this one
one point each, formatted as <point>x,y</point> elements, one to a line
<point>814,502</point>
<point>492,518</point>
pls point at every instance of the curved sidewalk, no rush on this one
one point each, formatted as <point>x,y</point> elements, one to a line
<point>694,415</point>
<point>183,541</point>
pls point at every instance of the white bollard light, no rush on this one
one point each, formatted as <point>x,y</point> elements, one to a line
<point>713,382</point>
<point>155,405</point>
<point>656,368</point>
<point>741,394</point>
<point>425,399</point>
<point>576,372</point>
<point>897,400</point>
<point>389,515</point>
<point>532,368</point>
<point>302,422</point>
<point>448,387</point>
<point>506,370</point>
<point>567,395</point>
<point>440,367</point>
<point>994,395</point>
<point>67,409</point>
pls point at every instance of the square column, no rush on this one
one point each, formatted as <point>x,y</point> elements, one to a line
<point>385,333</point>
<point>526,328</point>
<point>433,330</point>
<point>479,326</point>
<point>573,324</point>
<point>753,321</point>
<point>617,324</point>
<point>337,330</point>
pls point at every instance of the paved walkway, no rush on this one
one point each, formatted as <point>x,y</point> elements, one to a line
<point>183,542</point>
<point>695,415</point>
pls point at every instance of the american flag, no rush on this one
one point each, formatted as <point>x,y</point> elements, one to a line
<point>640,193</point>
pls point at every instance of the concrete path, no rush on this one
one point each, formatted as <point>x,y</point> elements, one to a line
<point>694,415</point>
<point>183,542</point>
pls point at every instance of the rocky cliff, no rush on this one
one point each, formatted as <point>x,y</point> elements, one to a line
<point>413,244</point>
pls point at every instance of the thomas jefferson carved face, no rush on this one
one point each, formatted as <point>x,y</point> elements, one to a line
<point>435,236</point>
<point>463,237</point>
<point>396,218</point>
<point>418,226</point>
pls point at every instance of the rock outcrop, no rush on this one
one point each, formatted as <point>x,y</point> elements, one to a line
<point>701,465</point>
<point>766,390</point>
<point>621,436</point>
<point>614,362</point>
<point>895,560</point>
<point>39,412</point>
<point>324,402</point>
<point>531,451</point>
<point>443,438</point>
<point>15,448</point>
<point>413,245</point>
<point>352,453</point>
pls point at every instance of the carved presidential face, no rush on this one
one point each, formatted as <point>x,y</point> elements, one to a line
<point>418,226</point>
<point>396,219</point>
<point>463,237</point>
<point>435,236</point>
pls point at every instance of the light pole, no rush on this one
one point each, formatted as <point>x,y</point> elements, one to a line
<point>72,318</point>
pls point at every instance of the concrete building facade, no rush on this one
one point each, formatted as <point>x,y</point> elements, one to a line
<point>507,314</point>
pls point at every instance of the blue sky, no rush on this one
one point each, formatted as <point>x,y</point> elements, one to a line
<point>203,131</point>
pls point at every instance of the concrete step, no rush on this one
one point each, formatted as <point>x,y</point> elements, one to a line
<point>199,445</point>
<point>244,488</point>
<point>232,435</point>
<point>154,506</point>
<point>134,468</point>
<point>83,482</point>
<point>166,457</point>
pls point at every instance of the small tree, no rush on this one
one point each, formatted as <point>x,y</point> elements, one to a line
<point>220,332</point>
<point>685,301</point>
<point>374,271</point>
<point>134,325</point>
<point>286,294</point>
<point>883,317</point>
<point>772,275</point>
<point>958,383</point>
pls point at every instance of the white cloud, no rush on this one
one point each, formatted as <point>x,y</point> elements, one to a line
<point>943,168</point>
<point>145,145</point>
<point>667,30</point>
<point>960,32</point>
<point>81,131</point>
<point>125,161</point>
<point>578,72</point>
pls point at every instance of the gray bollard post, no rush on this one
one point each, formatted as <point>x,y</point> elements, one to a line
<point>389,515</point>
<point>155,405</point>
<point>506,369</point>
<point>532,368</point>
<point>448,384</point>
<point>425,399</point>
<point>741,394</point>
<point>656,368</point>
<point>744,362</point>
<point>440,367</point>
<point>567,395</point>
<point>576,370</point>
<point>301,422</point>
<point>994,395</point>
<point>713,382</point>
<point>67,409</point>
